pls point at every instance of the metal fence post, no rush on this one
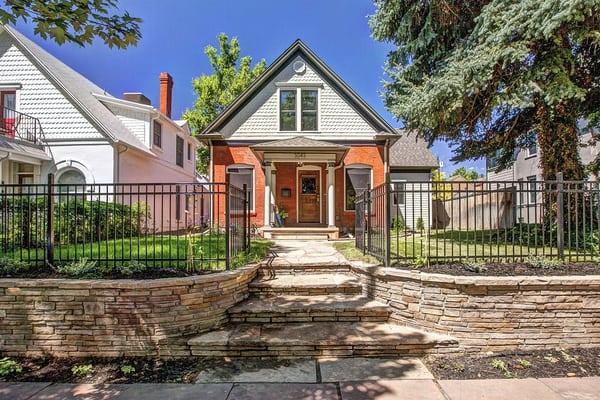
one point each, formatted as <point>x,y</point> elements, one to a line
<point>560,219</point>
<point>367,199</point>
<point>246,228</point>
<point>50,221</point>
<point>387,219</point>
<point>227,223</point>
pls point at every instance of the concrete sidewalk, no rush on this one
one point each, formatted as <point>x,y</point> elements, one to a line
<point>405,389</point>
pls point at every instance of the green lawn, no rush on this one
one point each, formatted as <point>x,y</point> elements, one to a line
<point>199,251</point>
<point>349,250</point>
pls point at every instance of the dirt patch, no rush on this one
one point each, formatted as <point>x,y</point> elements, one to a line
<point>150,273</point>
<point>507,269</point>
<point>533,364</point>
<point>107,370</point>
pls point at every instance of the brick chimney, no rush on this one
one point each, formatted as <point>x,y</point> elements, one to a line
<point>166,93</point>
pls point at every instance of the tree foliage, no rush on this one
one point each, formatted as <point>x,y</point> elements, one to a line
<point>484,74</point>
<point>467,174</point>
<point>231,76</point>
<point>75,21</point>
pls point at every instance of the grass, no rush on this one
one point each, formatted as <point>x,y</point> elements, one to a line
<point>351,253</point>
<point>165,251</point>
<point>454,245</point>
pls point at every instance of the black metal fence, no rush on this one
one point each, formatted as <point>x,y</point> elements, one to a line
<point>21,126</point>
<point>494,221</point>
<point>181,225</point>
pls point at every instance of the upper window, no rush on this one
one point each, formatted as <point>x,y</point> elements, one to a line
<point>532,150</point>
<point>398,190</point>
<point>532,189</point>
<point>157,134</point>
<point>309,109</point>
<point>357,179</point>
<point>179,151</point>
<point>287,110</point>
<point>189,151</point>
<point>240,176</point>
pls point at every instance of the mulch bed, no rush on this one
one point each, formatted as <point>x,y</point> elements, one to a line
<point>532,364</point>
<point>151,273</point>
<point>108,370</point>
<point>508,269</point>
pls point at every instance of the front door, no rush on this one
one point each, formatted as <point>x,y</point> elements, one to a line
<point>308,196</point>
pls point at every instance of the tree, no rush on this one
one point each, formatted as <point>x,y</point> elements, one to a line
<point>441,190</point>
<point>467,174</point>
<point>75,21</point>
<point>231,76</point>
<point>484,75</point>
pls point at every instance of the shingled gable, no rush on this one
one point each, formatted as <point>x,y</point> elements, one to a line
<point>300,48</point>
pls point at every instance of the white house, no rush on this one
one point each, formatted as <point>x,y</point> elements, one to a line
<point>55,120</point>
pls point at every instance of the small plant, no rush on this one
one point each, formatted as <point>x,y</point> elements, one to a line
<point>524,363</point>
<point>82,268</point>
<point>542,262</point>
<point>9,367</point>
<point>11,266</point>
<point>398,223</point>
<point>127,369</point>
<point>131,268</point>
<point>476,266</point>
<point>502,367</point>
<point>82,370</point>
<point>420,262</point>
<point>420,225</point>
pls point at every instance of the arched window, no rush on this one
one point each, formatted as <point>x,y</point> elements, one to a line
<point>240,175</point>
<point>72,177</point>
<point>357,177</point>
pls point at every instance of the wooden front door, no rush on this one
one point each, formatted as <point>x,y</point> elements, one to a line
<point>309,196</point>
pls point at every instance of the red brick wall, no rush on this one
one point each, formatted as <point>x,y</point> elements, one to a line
<point>286,177</point>
<point>227,155</point>
<point>358,154</point>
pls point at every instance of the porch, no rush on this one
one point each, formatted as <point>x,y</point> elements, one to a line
<point>300,187</point>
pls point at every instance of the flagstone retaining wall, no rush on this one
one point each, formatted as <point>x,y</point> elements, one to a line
<point>492,313</point>
<point>67,317</point>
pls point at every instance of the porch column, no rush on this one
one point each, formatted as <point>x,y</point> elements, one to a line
<point>330,194</point>
<point>267,211</point>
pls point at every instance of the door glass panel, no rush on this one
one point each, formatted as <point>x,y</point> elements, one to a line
<point>309,185</point>
<point>8,100</point>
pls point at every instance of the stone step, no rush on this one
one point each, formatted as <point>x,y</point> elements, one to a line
<point>281,266</point>
<point>319,339</point>
<point>305,284</point>
<point>293,308</point>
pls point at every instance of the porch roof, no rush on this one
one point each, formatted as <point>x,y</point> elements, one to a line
<point>300,145</point>
<point>23,151</point>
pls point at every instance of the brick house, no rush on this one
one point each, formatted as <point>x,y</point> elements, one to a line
<point>304,142</point>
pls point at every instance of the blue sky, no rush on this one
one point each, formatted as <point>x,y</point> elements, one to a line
<point>174,34</point>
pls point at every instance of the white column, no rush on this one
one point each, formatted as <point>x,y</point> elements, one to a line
<point>330,195</point>
<point>267,217</point>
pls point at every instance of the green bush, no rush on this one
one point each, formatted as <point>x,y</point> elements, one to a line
<point>10,266</point>
<point>127,269</point>
<point>77,220</point>
<point>82,370</point>
<point>398,223</point>
<point>542,262</point>
<point>82,268</point>
<point>9,367</point>
<point>420,225</point>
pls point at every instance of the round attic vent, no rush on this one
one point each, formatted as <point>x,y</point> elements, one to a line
<point>299,67</point>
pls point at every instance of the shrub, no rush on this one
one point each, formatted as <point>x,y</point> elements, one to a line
<point>420,262</point>
<point>82,268</point>
<point>420,226</point>
<point>398,223</point>
<point>82,370</point>
<point>11,266</point>
<point>542,262</point>
<point>474,265</point>
<point>131,267</point>
<point>9,367</point>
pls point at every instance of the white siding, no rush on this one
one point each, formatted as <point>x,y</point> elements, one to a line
<point>40,98</point>
<point>138,122</point>
<point>94,160</point>
<point>417,199</point>
<point>260,116</point>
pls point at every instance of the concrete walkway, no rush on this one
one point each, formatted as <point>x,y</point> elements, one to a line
<point>404,389</point>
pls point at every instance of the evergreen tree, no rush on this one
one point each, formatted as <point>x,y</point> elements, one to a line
<point>484,74</point>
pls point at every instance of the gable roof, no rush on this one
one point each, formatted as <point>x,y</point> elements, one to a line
<point>300,48</point>
<point>411,151</point>
<point>78,89</point>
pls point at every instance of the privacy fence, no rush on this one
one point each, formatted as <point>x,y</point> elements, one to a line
<point>191,225</point>
<point>448,221</point>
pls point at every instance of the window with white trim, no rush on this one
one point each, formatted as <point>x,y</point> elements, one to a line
<point>179,151</point>
<point>240,175</point>
<point>287,110</point>
<point>532,189</point>
<point>309,109</point>
<point>157,134</point>
<point>399,192</point>
<point>356,180</point>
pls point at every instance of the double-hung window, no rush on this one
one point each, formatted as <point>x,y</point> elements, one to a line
<point>532,190</point>
<point>179,151</point>
<point>157,134</point>
<point>297,115</point>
